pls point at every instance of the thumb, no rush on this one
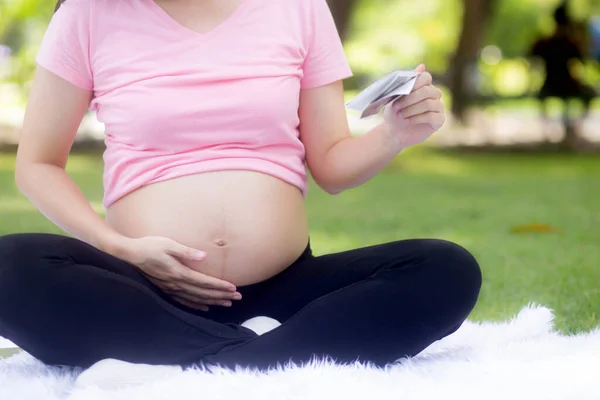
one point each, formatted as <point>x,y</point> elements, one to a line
<point>421,68</point>
<point>189,253</point>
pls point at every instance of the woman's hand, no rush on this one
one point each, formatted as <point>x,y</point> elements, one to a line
<point>412,119</point>
<point>158,258</point>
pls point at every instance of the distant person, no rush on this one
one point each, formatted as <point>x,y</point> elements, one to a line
<point>557,52</point>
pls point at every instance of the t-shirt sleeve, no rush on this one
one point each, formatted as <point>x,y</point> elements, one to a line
<point>325,60</point>
<point>65,46</point>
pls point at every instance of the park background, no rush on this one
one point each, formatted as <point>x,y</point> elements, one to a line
<point>497,179</point>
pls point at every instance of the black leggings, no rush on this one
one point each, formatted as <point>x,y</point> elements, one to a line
<point>68,303</point>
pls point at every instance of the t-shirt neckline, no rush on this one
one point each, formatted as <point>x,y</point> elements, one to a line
<point>167,18</point>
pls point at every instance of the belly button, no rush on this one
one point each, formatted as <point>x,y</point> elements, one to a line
<point>220,242</point>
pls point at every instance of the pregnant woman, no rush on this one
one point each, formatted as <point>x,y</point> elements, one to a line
<point>213,108</point>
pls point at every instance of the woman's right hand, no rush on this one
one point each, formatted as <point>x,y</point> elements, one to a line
<point>158,258</point>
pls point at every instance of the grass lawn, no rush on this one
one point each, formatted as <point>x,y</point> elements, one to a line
<point>474,200</point>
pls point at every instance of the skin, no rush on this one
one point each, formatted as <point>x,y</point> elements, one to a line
<point>211,244</point>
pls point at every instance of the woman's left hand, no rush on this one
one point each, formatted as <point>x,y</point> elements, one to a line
<point>412,119</point>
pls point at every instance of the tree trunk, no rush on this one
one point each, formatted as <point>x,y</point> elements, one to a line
<point>342,11</point>
<point>475,17</point>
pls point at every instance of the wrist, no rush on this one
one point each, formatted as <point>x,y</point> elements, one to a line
<point>114,244</point>
<point>392,140</point>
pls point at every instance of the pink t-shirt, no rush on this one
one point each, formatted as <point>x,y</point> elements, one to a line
<point>176,102</point>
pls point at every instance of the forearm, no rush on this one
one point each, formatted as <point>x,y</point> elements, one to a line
<point>355,160</point>
<point>59,199</point>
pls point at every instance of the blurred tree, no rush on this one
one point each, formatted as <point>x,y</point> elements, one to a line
<point>514,24</point>
<point>19,16</point>
<point>21,23</point>
<point>342,11</point>
<point>379,36</point>
<point>399,34</point>
<point>476,15</point>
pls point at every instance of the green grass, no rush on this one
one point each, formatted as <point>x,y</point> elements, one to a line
<point>472,199</point>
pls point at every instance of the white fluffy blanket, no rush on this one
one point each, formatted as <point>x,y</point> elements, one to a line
<point>518,359</point>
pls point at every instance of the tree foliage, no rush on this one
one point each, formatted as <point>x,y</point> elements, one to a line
<point>380,35</point>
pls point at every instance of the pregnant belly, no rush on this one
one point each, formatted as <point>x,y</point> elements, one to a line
<point>251,226</point>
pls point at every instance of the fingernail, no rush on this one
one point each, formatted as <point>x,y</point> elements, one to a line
<point>237,296</point>
<point>204,309</point>
<point>226,304</point>
<point>200,254</point>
